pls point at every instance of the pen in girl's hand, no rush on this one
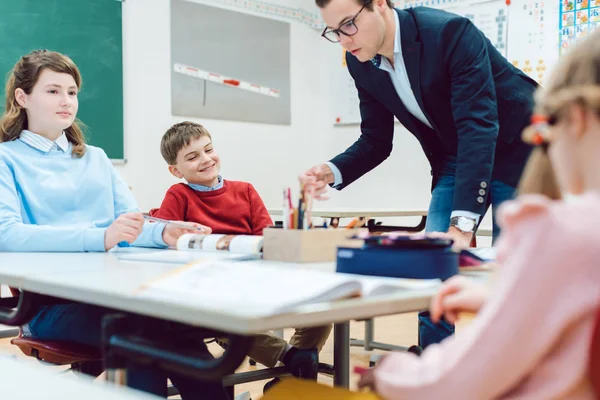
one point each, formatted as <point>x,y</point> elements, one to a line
<point>178,224</point>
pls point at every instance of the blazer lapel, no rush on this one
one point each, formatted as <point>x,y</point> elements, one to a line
<point>411,53</point>
<point>381,81</point>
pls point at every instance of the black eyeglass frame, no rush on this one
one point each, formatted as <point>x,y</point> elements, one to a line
<point>339,31</point>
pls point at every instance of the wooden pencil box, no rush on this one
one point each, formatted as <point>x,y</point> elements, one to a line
<point>312,245</point>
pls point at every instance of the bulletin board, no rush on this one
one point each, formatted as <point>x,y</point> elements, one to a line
<point>229,65</point>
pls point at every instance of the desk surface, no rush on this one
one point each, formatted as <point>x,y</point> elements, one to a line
<point>102,279</point>
<point>358,212</point>
<point>22,380</point>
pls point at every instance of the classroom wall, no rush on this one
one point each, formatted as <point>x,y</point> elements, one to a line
<point>269,156</point>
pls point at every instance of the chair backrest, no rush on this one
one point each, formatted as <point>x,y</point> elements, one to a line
<point>594,367</point>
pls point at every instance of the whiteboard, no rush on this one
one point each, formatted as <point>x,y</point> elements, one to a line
<point>526,32</point>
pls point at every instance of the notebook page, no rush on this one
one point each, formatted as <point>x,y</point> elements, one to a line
<point>485,253</point>
<point>246,244</point>
<point>181,256</point>
<point>375,286</point>
<point>254,290</point>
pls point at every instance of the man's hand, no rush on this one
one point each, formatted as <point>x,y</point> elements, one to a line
<point>462,240</point>
<point>316,179</point>
<point>173,232</point>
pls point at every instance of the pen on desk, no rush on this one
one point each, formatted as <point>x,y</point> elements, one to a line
<point>166,221</point>
<point>291,207</point>
<point>301,209</point>
<point>286,210</point>
<point>353,223</point>
<point>308,212</point>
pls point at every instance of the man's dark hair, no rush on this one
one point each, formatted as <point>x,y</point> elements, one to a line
<point>368,3</point>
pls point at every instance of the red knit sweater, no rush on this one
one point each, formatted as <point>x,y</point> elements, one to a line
<point>236,208</point>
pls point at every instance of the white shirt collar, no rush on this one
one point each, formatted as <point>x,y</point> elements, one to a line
<point>202,188</point>
<point>44,144</point>
<point>385,64</point>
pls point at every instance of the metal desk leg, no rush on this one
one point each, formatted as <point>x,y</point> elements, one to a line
<point>341,354</point>
<point>369,332</point>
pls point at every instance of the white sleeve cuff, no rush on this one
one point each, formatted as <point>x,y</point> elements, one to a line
<point>468,214</point>
<point>337,175</point>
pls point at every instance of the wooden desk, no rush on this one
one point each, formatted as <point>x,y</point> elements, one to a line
<point>102,279</point>
<point>335,214</point>
<point>358,212</point>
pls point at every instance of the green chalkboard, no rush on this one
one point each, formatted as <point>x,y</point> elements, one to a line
<point>88,31</point>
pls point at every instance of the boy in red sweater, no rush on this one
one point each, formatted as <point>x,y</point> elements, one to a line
<point>229,207</point>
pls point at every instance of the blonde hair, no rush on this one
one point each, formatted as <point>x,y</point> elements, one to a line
<point>576,80</point>
<point>25,75</point>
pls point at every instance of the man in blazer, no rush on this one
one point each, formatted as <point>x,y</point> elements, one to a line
<point>447,85</point>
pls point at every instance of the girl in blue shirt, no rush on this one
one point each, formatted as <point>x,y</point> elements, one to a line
<point>59,194</point>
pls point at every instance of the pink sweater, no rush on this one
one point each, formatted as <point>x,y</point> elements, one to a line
<point>532,338</point>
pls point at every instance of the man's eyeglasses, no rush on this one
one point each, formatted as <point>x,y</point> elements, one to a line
<point>348,28</point>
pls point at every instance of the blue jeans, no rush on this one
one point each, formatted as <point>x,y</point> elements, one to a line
<point>442,197</point>
<point>81,323</point>
<point>438,220</point>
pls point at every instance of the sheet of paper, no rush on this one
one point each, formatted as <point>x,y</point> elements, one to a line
<point>238,287</point>
<point>181,257</point>
<point>485,253</point>
<point>374,286</point>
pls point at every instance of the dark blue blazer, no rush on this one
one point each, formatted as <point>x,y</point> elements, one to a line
<point>476,101</point>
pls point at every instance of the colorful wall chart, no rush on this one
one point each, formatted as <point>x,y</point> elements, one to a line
<point>578,18</point>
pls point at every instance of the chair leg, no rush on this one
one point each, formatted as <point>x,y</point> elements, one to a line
<point>91,368</point>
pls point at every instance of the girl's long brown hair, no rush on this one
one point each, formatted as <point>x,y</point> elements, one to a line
<point>25,75</point>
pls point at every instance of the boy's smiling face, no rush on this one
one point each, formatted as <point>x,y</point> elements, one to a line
<point>198,163</point>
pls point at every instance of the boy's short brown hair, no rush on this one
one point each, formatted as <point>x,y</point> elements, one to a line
<point>177,137</point>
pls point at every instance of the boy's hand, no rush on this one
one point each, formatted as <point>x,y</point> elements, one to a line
<point>173,232</point>
<point>126,228</point>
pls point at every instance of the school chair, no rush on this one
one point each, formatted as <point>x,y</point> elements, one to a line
<point>594,368</point>
<point>80,358</point>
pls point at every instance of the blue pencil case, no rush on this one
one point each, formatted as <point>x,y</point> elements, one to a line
<point>400,257</point>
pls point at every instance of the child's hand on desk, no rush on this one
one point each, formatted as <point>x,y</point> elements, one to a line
<point>457,295</point>
<point>126,228</point>
<point>173,232</point>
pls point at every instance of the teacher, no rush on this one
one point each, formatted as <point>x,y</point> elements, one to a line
<point>448,85</point>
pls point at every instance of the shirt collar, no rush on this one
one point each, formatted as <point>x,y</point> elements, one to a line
<point>202,188</point>
<point>377,60</point>
<point>42,143</point>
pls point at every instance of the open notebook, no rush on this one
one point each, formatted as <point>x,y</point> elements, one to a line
<point>259,290</point>
<point>192,247</point>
